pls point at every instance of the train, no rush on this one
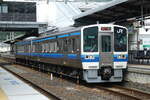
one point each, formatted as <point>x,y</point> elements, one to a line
<point>94,53</point>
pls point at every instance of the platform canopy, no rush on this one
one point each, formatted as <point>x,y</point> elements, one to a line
<point>115,11</point>
<point>29,28</point>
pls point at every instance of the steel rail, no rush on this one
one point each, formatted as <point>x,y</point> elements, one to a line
<point>122,96</point>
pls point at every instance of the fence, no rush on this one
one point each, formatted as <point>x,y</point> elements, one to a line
<point>139,57</point>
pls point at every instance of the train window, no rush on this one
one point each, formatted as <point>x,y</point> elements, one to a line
<point>120,39</point>
<point>58,45</point>
<point>40,47</point>
<point>69,45</point>
<point>90,39</point>
<point>50,47</point>
<point>23,49</point>
<point>36,47</point>
<point>74,47</point>
<point>46,47</point>
<point>106,43</point>
<point>33,48</point>
<point>53,47</point>
<point>65,47</point>
<point>29,48</point>
<point>77,44</point>
<point>43,47</point>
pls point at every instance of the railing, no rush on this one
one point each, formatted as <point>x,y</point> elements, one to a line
<point>17,16</point>
<point>139,57</point>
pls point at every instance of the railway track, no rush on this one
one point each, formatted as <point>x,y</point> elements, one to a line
<point>48,94</point>
<point>125,93</point>
<point>116,92</point>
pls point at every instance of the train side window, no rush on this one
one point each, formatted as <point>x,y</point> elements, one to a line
<point>43,47</point>
<point>73,44</point>
<point>36,49</point>
<point>78,44</point>
<point>58,45</point>
<point>23,49</point>
<point>40,49</point>
<point>69,45</point>
<point>52,47</point>
<point>28,49</point>
<point>46,47</point>
<point>55,46</point>
<point>65,45</point>
<point>33,48</point>
<point>49,47</point>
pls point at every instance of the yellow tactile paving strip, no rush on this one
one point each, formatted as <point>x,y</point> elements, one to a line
<point>3,95</point>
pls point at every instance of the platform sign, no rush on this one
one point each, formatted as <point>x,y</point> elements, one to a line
<point>146,43</point>
<point>147,24</point>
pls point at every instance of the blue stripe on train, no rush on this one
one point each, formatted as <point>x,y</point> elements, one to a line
<point>65,35</point>
<point>96,58</point>
<point>44,39</point>
<point>56,55</point>
<point>120,60</point>
<point>78,33</point>
<point>72,56</point>
<point>48,38</point>
<point>47,55</point>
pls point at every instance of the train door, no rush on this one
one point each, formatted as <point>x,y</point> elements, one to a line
<point>106,55</point>
<point>106,49</point>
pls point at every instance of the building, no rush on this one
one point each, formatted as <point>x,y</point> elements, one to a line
<point>18,11</point>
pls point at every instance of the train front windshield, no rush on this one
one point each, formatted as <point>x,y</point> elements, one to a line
<point>120,39</point>
<point>90,39</point>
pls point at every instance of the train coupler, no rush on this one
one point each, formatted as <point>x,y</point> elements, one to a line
<point>106,72</point>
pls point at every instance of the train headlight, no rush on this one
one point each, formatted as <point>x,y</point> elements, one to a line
<point>89,57</point>
<point>121,57</point>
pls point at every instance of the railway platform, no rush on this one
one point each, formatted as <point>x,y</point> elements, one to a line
<point>12,88</point>
<point>138,73</point>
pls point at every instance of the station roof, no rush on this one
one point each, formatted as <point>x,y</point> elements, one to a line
<point>115,11</point>
<point>30,29</point>
<point>20,26</point>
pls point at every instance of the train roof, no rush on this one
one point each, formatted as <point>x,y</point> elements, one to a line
<point>58,32</point>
